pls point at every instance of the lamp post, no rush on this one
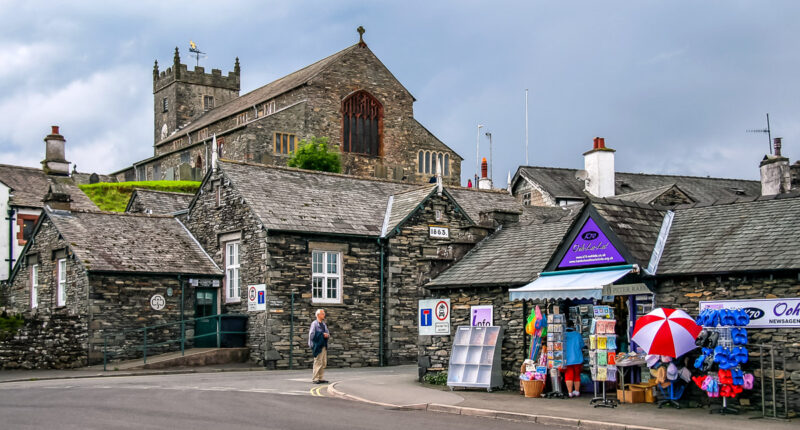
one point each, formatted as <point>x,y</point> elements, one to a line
<point>477,154</point>
<point>489,135</point>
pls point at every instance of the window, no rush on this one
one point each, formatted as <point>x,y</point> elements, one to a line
<point>61,289</point>
<point>208,102</point>
<point>185,157</point>
<point>157,172</point>
<point>284,143</point>
<point>441,164</point>
<point>164,105</point>
<point>25,225</point>
<point>241,118</point>
<point>232,272</point>
<point>326,278</point>
<point>218,191</point>
<point>140,173</point>
<point>427,162</point>
<point>447,164</point>
<point>34,286</point>
<point>420,162</point>
<point>269,108</point>
<point>526,199</point>
<point>362,124</point>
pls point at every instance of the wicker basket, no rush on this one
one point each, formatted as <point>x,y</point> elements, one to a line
<point>533,388</point>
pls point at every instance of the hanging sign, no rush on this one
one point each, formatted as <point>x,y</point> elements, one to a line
<point>481,315</point>
<point>764,313</point>
<point>438,232</point>
<point>433,317</point>
<point>257,298</point>
<point>590,248</point>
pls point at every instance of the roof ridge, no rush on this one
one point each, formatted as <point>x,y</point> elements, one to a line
<point>101,212</point>
<point>38,169</point>
<point>794,194</point>
<point>648,174</point>
<point>161,191</point>
<point>315,172</point>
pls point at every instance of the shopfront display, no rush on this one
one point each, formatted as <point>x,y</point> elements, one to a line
<point>475,358</point>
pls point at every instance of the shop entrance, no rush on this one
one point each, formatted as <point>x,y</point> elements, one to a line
<point>205,308</point>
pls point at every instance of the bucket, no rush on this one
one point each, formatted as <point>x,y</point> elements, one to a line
<point>533,388</point>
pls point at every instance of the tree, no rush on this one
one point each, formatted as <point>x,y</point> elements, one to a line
<point>316,154</point>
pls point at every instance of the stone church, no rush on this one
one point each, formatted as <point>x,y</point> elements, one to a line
<point>349,97</point>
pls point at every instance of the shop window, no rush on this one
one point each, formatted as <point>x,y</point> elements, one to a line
<point>208,102</point>
<point>61,278</point>
<point>284,143</point>
<point>34,286</point>
<point>326,277</point>
<point>232,272</point>
<point>362,124</point>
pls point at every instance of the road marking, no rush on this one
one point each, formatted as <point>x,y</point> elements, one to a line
<point>316,391</point>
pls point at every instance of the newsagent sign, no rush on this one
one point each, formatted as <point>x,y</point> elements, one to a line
<point>764,313</point>
<point>591,247</point>
<point>433,317</point>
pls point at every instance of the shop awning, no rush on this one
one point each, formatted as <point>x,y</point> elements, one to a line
<point>570,284</point>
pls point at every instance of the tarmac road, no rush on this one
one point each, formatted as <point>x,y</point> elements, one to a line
<point>237,400</point>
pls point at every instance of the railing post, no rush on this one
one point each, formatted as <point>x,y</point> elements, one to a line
<point>183,337</point>
<point>105,351</point>
<point>145,345</point>
<point>219,327</point>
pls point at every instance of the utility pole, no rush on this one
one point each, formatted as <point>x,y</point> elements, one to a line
<point>477,154</point>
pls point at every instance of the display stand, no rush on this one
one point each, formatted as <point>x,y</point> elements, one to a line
<point>555,353</point>
<point>725,341</point>
<point>475,358</point>
<point>602,345</point>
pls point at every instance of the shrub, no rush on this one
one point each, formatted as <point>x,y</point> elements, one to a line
<point>435,378</point>
<point>316,154</point>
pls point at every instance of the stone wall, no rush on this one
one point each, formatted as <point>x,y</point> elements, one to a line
<point>434,351</point>
<point>46,341</point>
<point>538,197</point>
<point>686,292</point>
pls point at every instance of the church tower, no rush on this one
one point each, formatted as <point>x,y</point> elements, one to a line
<point>181,96</point>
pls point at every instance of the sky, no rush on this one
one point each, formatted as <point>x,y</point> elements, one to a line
<point>672,86</point>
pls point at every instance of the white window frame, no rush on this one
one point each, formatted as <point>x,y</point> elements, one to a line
<point>232,292</point>
<point>325,275</point>
<point>34,286</point>
<point>61,282</point>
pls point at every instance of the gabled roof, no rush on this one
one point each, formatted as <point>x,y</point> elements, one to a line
<point>514,255</point>
<point>404,203</point>
<point>160,202</point>
<point>475,201</point>
<point>636,225</point>
<point>650,196</point>
<point>29,185</point>
<point>561,183</point>
<point>744,236</point>
<point>117,242</point>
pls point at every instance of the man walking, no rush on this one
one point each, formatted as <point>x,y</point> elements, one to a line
<point>318,336</point>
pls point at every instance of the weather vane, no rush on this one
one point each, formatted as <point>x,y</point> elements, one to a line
<point>196,52</point>
<point>767,130</point>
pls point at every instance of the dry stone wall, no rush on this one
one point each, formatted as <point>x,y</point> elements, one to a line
<point>46,341</point>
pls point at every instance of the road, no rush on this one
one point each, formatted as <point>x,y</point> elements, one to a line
<point>236,400</point>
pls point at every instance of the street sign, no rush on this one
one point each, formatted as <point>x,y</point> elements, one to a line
<point>157,302</point>
<point>434,317</point>
<point>481,316</point>
<point>257,298</point>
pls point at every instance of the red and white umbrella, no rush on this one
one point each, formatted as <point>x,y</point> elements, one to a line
<point>670,332</point>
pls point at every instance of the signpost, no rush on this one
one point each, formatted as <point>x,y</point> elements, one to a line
<point>434,317</point>
<point>257,298</point>
<point>481,316</point>
<point>764,313</point>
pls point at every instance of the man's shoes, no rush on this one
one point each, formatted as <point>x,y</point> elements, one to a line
<point>321,381</point>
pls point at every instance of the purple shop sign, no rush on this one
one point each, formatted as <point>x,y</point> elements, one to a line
<point>764,313</point>
<point>481,315</point>
<point>590,248</point>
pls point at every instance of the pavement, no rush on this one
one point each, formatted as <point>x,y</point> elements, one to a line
<point>397,388</point>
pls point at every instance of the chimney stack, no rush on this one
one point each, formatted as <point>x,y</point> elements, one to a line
<point>599,166</point>
<point>485,183</point>
<point>776,174</point>
<point>57,197</point>
<point>55,162</point>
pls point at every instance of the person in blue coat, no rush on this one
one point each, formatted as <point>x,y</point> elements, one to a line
<point>573,359</point>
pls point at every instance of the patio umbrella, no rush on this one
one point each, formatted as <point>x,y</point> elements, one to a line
<point>664,331</point>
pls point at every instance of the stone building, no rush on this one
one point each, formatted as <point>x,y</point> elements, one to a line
<point>158,202</point>
<point>21,192</point>
<point>349,97</point>
<point>361,248</point>
<point>85,276</point>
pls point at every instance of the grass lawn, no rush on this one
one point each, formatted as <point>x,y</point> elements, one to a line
<point>114,196</point>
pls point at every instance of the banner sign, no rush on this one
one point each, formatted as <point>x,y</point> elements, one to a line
<point>481,316</point>
<point>590,248</point>
<point>433,317</point>
<point>764,313</point>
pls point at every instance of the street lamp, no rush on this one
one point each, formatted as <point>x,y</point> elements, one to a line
<point>477,154</point>
<point>489,135</point>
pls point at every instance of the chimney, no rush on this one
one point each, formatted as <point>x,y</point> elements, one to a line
<point>57,197</point>
<point>54,162</point>
<point>485,183</point>
<point>776,174</point>
<point>599,166</point>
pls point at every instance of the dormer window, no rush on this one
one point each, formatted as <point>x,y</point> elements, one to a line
<point>362,124</point>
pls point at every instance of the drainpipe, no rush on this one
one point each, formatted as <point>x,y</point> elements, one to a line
<point>380,323</point>
<point>183,325</point>
<point>10,241</point>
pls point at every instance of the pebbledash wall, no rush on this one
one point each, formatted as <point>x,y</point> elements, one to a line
<point>686,292</point>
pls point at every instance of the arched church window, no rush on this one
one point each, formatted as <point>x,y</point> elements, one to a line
<point>362,124</point>
<point>447,164</point>
<point>199,163</point>
<point>420,162</point>
<point>427,162</point>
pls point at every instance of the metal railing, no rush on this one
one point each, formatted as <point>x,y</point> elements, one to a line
<point>145,345</point>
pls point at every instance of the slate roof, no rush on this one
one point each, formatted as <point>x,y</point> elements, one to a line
<point>160,202</point>
<point>645,196</point>
<point>30,184</point>
<point>405,202</point>
<point>747,236</point>
<point>117,242</point>
<point>637,225</point>
<point>514,255</point>
<point>475,201</point>
<point>561,183</point>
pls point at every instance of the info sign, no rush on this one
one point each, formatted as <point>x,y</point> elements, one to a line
<point>764,313</point>
<point>257,297</point>
<point>590,248</point>
<point>433,317</point>
<point>481,316</point>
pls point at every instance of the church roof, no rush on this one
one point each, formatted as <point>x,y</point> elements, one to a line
<point>117,242</point>
<point>29,185</point>
<point>561,183</point>
<point>159,202</point>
